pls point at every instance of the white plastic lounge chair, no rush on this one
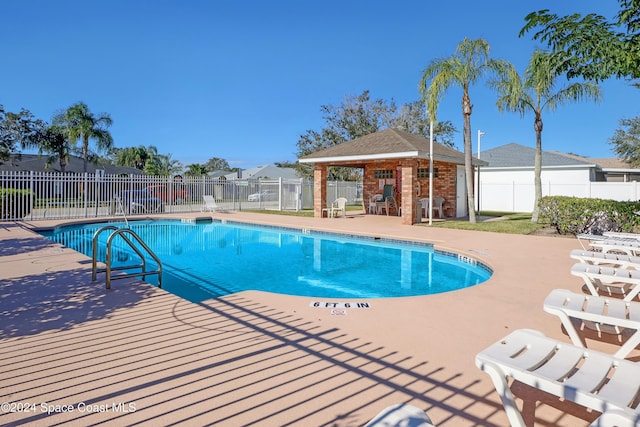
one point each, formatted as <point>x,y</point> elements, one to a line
<point>424,205</point>
<point>373,203</point>
<point>610,259</point>
<point>594,240</point>
<point>437,206</point>
<point>589,378</point>
<point>388,204</point>
<point>611,281</point>
<point>401,415</point>
<point>615,418</point>
<point>209,204</point>
<point>339,206</point>
<point>630,247</point>
<point>137,208</point>
<point>621,235</point>
<point>603,314</point>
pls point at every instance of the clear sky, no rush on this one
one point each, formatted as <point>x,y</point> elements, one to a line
<point>243,79</point>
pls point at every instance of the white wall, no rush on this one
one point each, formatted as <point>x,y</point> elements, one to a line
<point>513,190</point>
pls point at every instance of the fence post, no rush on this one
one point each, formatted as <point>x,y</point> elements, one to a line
<point>204,190</point>
<point>300,195</point>
<point>86,194</point>
<point>280,193</point>
<point>31,193</point>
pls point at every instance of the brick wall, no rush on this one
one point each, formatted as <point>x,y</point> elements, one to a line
<point>319,189</point>
<point>444,185</point>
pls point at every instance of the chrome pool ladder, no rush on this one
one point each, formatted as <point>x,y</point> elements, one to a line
<point>125,233</point>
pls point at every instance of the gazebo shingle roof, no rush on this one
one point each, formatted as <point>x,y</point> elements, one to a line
<point>389,143</point>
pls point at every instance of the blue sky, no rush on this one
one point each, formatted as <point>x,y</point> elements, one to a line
<point>243,79</point>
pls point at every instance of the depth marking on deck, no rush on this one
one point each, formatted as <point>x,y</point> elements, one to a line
<point>322,304</point>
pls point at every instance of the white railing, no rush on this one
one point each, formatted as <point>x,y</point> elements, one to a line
<point>44,195</point>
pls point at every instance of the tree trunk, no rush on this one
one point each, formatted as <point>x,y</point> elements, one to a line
<point>537,168</point>
<point>468,167</point>
<point>85,152</point>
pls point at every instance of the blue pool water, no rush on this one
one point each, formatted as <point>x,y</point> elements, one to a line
<point>208,259</point>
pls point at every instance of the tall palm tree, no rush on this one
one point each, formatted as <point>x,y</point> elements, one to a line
<point>535,92</point>
<point>80,124</point>
<point>465,67</point>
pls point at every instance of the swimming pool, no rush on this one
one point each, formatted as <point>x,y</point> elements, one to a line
<point>205,259</point>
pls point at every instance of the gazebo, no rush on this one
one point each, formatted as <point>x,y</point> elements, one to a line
<point>400,159</point>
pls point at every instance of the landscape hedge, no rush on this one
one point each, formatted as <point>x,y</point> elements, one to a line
<point>571,215</point>
<point>14,204</point>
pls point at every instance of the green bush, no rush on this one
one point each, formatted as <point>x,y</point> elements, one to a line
<point>14,204</point>
<point>572,215</point>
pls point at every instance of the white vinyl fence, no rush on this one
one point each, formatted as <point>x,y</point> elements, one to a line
<point>518,197</point>
<point>65,196</point>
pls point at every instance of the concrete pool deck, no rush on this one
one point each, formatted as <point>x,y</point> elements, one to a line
<point>76,354</point>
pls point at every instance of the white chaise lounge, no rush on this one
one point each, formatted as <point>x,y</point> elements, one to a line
<point>589,378</point>
<point>602,314</point>
<point>609,259</point>
<point>621,235</point>
<point>609,280</point>
<point>630,247</point>
<point>209,204</point>
<point>603,243</point>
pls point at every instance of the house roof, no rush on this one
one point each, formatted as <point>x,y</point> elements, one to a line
<point>519,156</point>
<point>611,163</point>
<point>515,155</point>
<point>217,174</point>
<point>386,144</point>
<point>267,171</point>
<point>38,163</point>
<point>606,163</point>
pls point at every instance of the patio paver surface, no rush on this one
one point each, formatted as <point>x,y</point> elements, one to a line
<point>74,354</point>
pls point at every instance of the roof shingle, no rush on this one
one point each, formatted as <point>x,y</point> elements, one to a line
<point>516,155</point>
<point>390,143</point>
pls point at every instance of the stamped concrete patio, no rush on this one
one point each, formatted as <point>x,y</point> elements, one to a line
<point>75,354</point>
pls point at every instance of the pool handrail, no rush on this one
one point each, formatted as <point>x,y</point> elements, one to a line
<point>143,266</point>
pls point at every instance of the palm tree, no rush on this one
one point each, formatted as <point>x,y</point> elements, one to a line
<point>196,169</point>
<point>466,66</point>
<point>80,124</point>
<point>536,91</point>
<point>54,142</point>
<point>135,157</point>
<point>162,165</point>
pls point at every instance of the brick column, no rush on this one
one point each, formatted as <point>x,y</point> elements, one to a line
<point>409,186</point>
<point>319,189</point>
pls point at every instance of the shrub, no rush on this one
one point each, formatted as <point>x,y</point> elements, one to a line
<point>571,215</point>
<point>14,204</point>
